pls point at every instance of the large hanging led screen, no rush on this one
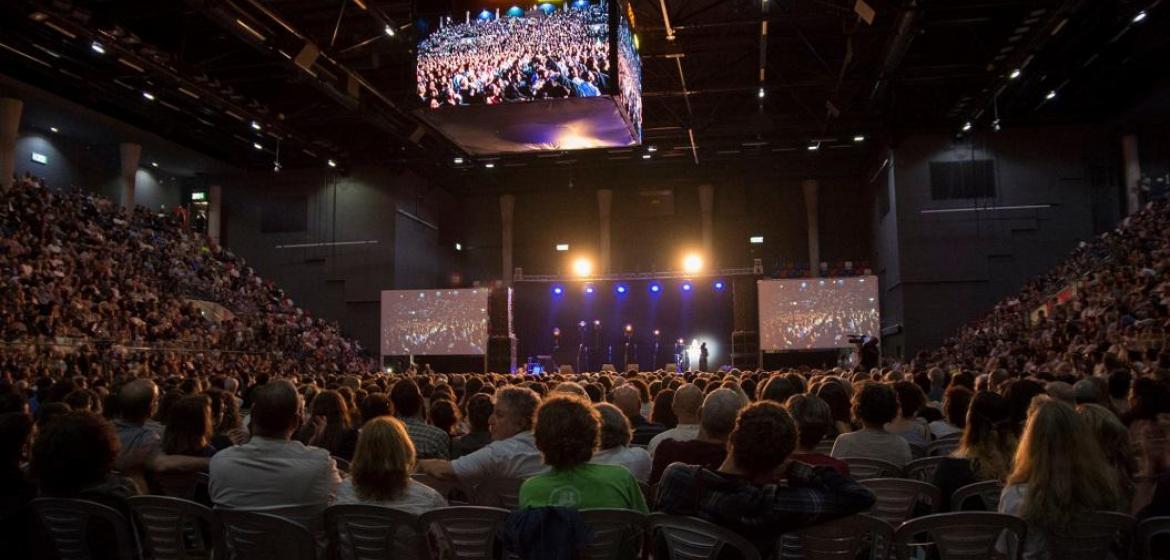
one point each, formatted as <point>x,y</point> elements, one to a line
<point>496,77</point>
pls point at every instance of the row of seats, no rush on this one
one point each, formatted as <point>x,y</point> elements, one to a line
<point>174,529</point>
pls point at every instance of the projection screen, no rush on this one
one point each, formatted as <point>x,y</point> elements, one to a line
<point>434,322</point>
<point>817,313</point>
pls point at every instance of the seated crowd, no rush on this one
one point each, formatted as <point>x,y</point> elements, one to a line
<point>1070,412</point>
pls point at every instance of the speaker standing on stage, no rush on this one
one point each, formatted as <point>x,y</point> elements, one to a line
<point>703,353</point>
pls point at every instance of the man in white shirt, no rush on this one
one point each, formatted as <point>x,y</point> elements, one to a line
<point>271,474</point>
<point>512,454</point>
<point>688,399</point>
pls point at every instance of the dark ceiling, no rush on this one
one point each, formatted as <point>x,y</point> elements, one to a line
<point>825,74</point>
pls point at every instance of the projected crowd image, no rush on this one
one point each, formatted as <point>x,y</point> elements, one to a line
<point>811,313</point>
<point>518,55</point>
<point>630,74</point>
<point>434,322</point>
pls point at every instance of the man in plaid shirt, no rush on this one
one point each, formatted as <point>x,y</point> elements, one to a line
<point>742,495</point>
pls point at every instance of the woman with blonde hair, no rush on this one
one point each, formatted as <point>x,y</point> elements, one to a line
<point>1058,474</point>
<point>380,472</point>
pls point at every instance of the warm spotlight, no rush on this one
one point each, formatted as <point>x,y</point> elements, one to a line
<point>582,266</point>
<point>692,263</point>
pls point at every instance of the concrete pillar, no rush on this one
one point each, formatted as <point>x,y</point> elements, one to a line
<point>10,110</point>
<point>810,187</point>
<point>131,153</point>
<point>1133,173</point>
<point>215,213</point>
<point>604,213</point>
<point>507,207</point>
<point>707,222</point>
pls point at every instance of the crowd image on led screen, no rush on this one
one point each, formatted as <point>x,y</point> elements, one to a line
<point>817,314</point>
<point>449,322</point>
<point>518,56</point>
<point>630,75</point>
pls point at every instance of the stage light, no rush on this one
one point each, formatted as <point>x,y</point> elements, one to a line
<point>596,322</point>
<point>589,289</point>
<point>629,328</point>
<point>719,285</point>
<point>858,139</point>
<point>1139,17</point>
<point>655,288</point>
<point>756,240</point>
<point>646,156</point>
<point>966,126</point>
<point>148,96</point>
<point>761,93</point>
<point>54,129</point>
<point>154,164</point>
<point>97,47</point>
<point>582,266</point>
<point>652,148</point>
<point>562,247</point>
<point>556,331</point>
<point>581,323</point>
<point>256,125</point>
<point>557,290</point>
<point>681,341</point>
<point>1015,74</point>
<point>389,31</point>
<point>692,263</point>
<point>686,287</point>
<point>332,163</point>
<point>489,165</point>
<point>458,161</point>
<point>1051,95</point>
<point>621,289</point>
<point>458,246</point>
<point>657,332</point>
<point>257,146</point>
<point>814,146</point>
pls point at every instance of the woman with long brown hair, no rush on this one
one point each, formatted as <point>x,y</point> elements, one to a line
<point>1058,474</point>
<point>380,471</point>
<point>331,427</point>
<point>985,448</point>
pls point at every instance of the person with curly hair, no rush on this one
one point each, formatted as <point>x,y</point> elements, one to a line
<point>567,432</point>
<point>742,494</point>
<point>875,405</point>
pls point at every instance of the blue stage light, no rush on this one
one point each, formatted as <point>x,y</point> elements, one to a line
<point>719,285</point>
<point>557,290</point>
<point>621,289</point>
<point>655,288</point>
<point>589,289</point>
<point>686,287</point>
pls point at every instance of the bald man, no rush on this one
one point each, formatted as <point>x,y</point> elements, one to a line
<point>709,448</point>
<point>629,400</point>
<point>688,399</point>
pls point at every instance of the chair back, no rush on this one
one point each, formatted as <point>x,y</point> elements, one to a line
<point>366,532</point>
<point>825,447</point>
<point>843,539</point>
<point>969,535</point>
<point>923,469</point>
<point>68,523</point>
<point>174,528</point>
<point>1146,532</point>
<point>261,536</point>
<point>614,531</point>
<point>498,493</point>
<point>861,468</point>
<point>342,464</point>
<point>465,532</point>
<point>917,451</point>
<point>988,491</point>
<point>898,498</point>
<point>690,538</point>
<point>1093,535</point>
<point>942,447</point>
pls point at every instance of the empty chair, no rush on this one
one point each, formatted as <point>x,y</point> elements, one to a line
<point>899,498</point>
<point>988,492</point>
<point>173,528</point>
<point>500,493</point>
<point>260,536</point>
<point>1093,535</point>
<point>463,532</point>
<point>77,526</point>
<point>614,531</point>
<point>366,532</point>
<point>1146,532</point>
<point>943,446</point>
<point>923,469</point>
<point>690,538</point>
<point>861,468</point>
<point>970,535</point>
<point>842,539</point>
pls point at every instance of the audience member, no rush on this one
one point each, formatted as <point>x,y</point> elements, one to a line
<point>813,420</point>
<point>709,448</point>
<point>908,423</point>
<point>985,449</point>
<point>875,405</point>
<point>429,441</point>
<point>380,471</point>
<point>685,404</point>
<point>614,445</point>
<point>956,401</point>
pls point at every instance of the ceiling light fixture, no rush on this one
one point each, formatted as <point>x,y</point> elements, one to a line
<point>389,31</point>
<point>332,163</point>
<point>1051,95</point>
<point>966,126</point>
<point>257,146</point>
<point>97,47</point>
<point>1015,74</point>
<point>149,96</point>
<point>1139,17</point>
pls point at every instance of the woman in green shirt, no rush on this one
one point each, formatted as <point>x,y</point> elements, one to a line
<point>566,433</point>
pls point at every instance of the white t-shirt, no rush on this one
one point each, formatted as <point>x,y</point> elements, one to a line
<point>682,432</point>
<point>514,458</point>
<point>417,499</point>
<point>634,459</point>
